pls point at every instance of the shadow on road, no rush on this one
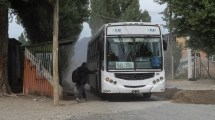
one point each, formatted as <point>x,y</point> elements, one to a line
<point>92,96</point>
<point>129,98</point>
<point>173,94</point>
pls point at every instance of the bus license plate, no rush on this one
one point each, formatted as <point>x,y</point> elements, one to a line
<point>135,91</point>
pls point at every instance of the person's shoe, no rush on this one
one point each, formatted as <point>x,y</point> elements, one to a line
<point>78,100</point>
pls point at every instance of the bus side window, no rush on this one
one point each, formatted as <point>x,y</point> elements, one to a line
<point>101,51</point>
<point>101,43</point>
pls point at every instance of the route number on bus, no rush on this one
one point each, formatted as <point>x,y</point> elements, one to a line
<point>122,65</point>
<point>117,30</point>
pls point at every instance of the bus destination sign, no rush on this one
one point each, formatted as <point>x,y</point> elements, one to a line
<point>133,30</point>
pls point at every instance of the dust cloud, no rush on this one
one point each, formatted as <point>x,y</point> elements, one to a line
<point>76,55</point>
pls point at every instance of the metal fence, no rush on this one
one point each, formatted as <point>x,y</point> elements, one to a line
<point>202,67</point>
<point>38,70</point>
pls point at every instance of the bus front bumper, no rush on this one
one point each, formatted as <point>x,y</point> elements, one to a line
<point>108,88</point>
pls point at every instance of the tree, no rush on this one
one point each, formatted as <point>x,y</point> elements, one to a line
<point>194,19</point>
<point>133,13</point>
<point>4,84</point>
<point>36,18</point>
<point>72,15</point>
<point>107,11</point>
<point>22,38</point>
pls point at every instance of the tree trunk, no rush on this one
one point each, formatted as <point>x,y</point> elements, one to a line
<point>4,84</point>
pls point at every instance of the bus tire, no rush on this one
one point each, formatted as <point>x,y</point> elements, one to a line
<point>94,91</point>
<point>104,96</point>
<point>147,95</point>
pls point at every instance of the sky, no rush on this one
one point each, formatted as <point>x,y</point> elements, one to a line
<point>153,8</point>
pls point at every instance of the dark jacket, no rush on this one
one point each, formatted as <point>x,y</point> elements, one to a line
<point>84,71</point>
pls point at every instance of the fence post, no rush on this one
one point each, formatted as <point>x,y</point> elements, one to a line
<point>189,63</point>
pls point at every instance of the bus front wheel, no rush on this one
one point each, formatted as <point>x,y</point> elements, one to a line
<point>147,95</point>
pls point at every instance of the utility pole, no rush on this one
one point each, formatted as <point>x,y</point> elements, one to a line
<point>55,52</point>
<point>171,41</point>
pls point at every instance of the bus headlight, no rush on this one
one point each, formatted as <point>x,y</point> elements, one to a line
<point>111,81</point>
<point>154,82</point>
<point>107,79</point>
<point>161,78</point>
<point>157,80</point>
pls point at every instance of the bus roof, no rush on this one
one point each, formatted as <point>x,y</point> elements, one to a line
<point>131,23</point>
<point>102,29</point>
<point>132,28</point>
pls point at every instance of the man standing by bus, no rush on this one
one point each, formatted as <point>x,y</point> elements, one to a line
<point>83,71</point>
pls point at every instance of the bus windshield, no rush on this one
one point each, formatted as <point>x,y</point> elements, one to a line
<point>133,53</point>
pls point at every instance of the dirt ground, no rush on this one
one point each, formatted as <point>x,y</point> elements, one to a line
<point>184,91</point>
<point>41,108</point>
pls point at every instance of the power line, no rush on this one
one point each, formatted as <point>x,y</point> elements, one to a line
<point>157,21</point>
<point>119,19</point>
<point>154,12</point>
<point>106,17</point>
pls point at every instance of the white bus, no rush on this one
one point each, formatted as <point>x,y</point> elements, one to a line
<point>130,58</point>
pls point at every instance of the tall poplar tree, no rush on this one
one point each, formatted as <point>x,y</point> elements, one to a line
<point>36,17</point>
<point>107,11</point>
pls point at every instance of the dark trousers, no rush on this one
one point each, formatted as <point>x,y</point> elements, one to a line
<point>81,91</point>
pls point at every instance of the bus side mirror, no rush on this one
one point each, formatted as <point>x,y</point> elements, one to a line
<point>164,45</point>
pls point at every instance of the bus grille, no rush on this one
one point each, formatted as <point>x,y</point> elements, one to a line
<point>134,76</point>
